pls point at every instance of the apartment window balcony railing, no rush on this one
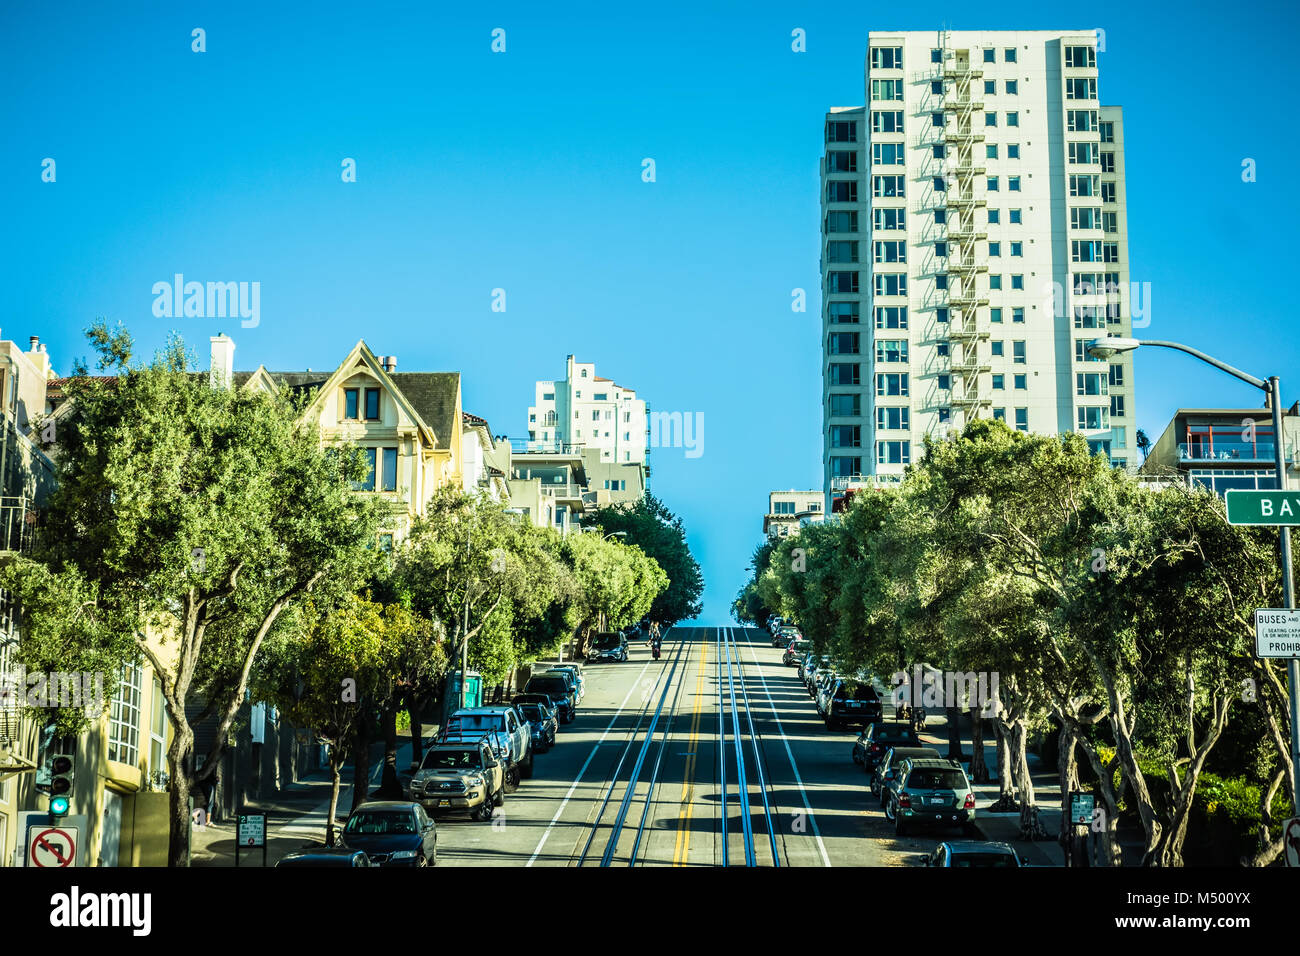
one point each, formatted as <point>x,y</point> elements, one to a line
<point>562,491</point>
<point>962,69</point>
<point>1228,451</point>
<point>546,447</point>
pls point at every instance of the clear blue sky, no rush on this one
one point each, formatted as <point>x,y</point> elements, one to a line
<point>522,171</point>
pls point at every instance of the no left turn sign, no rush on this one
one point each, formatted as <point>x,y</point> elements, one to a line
<point>52,846</point>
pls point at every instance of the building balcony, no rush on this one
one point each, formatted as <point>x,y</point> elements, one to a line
<point>962,105</point>
<point>967,201</point>
<point>523,446</point>
<point>966,301</point>
<point>968,367</point>
<point>972,401</point>
<point>965,331</point>
<point>845,482</point>
<point>968,170</point>
<point>565,491</point>
<point>966,266</point>
<point>962,70</point>
<point>966,234</point>
<point>1227,451</point>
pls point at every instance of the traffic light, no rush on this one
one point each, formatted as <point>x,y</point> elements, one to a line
<point>62,768</point>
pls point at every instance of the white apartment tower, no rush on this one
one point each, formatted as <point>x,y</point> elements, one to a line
<point>974,239</point>
<point>586,410</point>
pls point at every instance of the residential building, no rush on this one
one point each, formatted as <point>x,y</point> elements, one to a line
<point>487,459</point>
<point>974,239</point>
<point>1225,448</point>
<point>788,511</point>
<point>593,412</point>
<point>550,485</point>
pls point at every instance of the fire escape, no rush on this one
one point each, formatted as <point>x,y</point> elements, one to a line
<point>967,318</point>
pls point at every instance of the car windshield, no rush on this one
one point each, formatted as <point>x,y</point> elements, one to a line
<point>553,686</point>
<point>984,859</point>
<point>925,778</point>
<point>801,646</point>
<point>605,642</point>
<point>531,712</point>
<point>451,760</point>
<point>852,690</point>
<point>381,822</point>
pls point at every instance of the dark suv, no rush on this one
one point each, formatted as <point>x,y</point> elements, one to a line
<point>852,703</point>
<point>931,793</point>
<point>870,747</point>
<point>557,690</point>
<point>886,772</point>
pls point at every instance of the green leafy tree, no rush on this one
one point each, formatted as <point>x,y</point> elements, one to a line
<point>650,526</point>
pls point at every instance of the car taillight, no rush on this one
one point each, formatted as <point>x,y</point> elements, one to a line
<point>904,800</point>
<point>970,801</point>
<point>875,748</point>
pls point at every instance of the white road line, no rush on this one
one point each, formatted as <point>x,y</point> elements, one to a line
<point>578,779</point>
<point>798,779</point>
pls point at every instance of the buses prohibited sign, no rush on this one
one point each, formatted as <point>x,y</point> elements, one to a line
<point>1277,633</point>
<point>51,847</point>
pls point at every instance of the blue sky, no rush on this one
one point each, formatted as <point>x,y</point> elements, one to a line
<point>522,171</point>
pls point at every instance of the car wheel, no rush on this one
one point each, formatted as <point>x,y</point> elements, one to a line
<point>500,799</point>
<point>433,856</point>
<point>512,780</point>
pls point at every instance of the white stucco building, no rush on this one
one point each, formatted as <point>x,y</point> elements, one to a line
<point>974,238</point>
<point>585,410</point>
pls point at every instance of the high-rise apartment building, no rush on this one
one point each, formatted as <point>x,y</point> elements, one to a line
<point>974,239</point>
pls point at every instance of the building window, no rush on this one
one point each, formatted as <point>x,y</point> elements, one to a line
<point>845,373</point>
<point>990,86</point>
<point>940,151</point>
<point>990,150</point>
<point>1018,353</point>
<point>995,282</point>
<point>1117,406</point>
<point>936,56</point>
<point>996,348</point>
<point>887,154</point>
<point>990,118</point>
<point>842,190</point>
<point>1013,119</point>
<point>1107,162</point>
<point>995,315</point>
<point>548,396</point>
<point>940,216</point>
<point>841,251</point>
<point>842,467</point>
<point>124,718</point>
<point>1107,132</point>
<point>1009,54</point>
<point>372,404</point>
<point>889,251</point>
<point>940,184</point>
<point>350,397</point>
<point>1081,88</point>
<point>891,350</point>
<point>1020,382</point>
<point>1080,57</point>
<point>893,417</point>
<point>894,452</point>
<point>1080,121</point>
<point>1013,87</point>
<point>941,281</point>
<point>1018,314</point>
<point>842,343</point>
<point>385,540</point>
<point>1116,376</point>
<point>892,383</point>
<point>889,217</point>
<point>999,383</point>
<point>842,220</point>
<point>1013,184</point>
<point>999,414</point>
<point>1022,419</point>
<point>936,87</point>
<point>838,312</point>
<point>995,249</point>
<point>157,730</point>
<point>846,436</point>
<point>891,316</point>
<point>1018,249</point>
<point>886,283</point>
<point>1013,150</point>
<point>936,119</point>
<point>1014,215</point>
<point>886,121</point>
<point>941,250</point>
<point>843,282</point>
<point>390,469</point>
<point>778,507</point>
<point>1090,383</point>
<point>887,187</point>
<point>945,382</point>
<point>846,405</point>
<point>993,184</point>
<point>886,57</point>
<point>1093,417</point>
<point>990,56</point>
<point>995,217</point>
<point>1017,281</point>
<point>887,89</point>
<point>842,161</point>
<point>1108,192</point>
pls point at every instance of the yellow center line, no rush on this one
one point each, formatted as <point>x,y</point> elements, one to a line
<point>680,853</point>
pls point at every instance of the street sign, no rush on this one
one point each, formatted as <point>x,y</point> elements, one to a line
<point>1277,633</point>
<point>1263,507</point>
<point>51,847</point>
<point>252,830</point>
<point>1291,841</point>
<point>1081,806</point>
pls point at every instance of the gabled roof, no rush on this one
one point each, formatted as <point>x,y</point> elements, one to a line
<point>433,395</point>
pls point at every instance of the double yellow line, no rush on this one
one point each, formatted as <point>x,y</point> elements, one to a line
<point>682,849</point>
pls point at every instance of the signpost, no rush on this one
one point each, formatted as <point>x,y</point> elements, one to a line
<point>1081,805</point>
<point>251,834</point>
<point>52,847</point>
<point>1273,508</point>
<point>1291,842</point>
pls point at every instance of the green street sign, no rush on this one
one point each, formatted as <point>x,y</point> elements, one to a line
<point>1263,507</point>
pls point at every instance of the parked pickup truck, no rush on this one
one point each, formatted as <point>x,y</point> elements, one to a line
<point>455,777</point>
<point>506,733</point>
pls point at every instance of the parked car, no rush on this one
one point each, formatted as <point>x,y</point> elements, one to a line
<point>811,674</point>
<point>460,777</point>
<point>325,856</point>
<point>773,622</point>
<point>878,737</point>
<point>851,703</point>
<point>825,683</point>
<point>579,680</point>
<point>795,650</point>
<point>886,772</point>
<point>974,853</point>
<point>393,833</point>
<point>542,724</point>
<point>785,634</point>
<point>806,664</point>
<point>607,646</point>
<point>506,733</point>
<point>557,688</point>
<point>930,793</point>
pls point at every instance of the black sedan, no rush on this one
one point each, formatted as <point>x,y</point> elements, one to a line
<point>393,833</point>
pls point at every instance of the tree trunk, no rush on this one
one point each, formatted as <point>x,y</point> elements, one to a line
<point>415,705</point>
<point>1030,826</point>
<point>1110,803</point>
<point>390,787</point>
<point>1133,778</point>
<point>1006,801</point>
<point>979,769</point>
<point>1067,770</point>
<point>336,780</point>
<point>953,716</point>
<point>180,823</point>
<point>361,763</point>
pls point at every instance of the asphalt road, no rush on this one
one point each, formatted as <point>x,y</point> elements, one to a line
<point>650,773</point>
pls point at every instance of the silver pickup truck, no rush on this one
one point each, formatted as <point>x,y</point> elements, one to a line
<point>506,734</point>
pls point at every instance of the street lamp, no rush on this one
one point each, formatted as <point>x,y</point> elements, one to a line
<point>1106,347</point>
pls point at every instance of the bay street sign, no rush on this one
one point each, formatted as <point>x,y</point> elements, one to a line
<point>1263,507</point>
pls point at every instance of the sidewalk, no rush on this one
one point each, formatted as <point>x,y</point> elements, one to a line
<point>295,818</point>
<point>1005,827</point>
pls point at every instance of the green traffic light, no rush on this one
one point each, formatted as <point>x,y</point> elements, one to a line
<point>58,806</point>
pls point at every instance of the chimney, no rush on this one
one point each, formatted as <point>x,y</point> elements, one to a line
<point>222,368</point>
<point>389,363</point>
<point>34,341</point>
